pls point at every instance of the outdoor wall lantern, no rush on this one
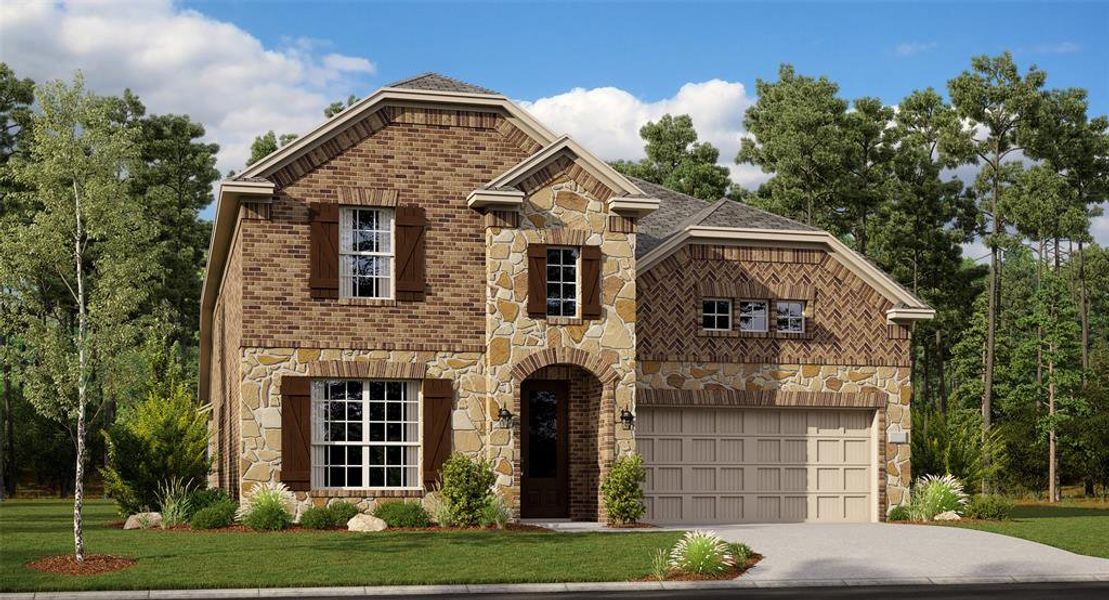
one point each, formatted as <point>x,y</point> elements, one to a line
<point>504,418</point>
<point>627,418</point>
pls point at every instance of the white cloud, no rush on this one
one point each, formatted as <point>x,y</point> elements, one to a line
<point>1057,48</point>
<point>607,120</point>
<point>907,49</point>
<point>181,61</point>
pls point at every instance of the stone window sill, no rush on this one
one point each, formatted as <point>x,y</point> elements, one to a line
<point>368,301</point>
<point>565,321</point>
<point>758,335</point>
<point>366,493</point>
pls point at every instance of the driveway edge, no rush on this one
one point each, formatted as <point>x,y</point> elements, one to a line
<point>528,588</point>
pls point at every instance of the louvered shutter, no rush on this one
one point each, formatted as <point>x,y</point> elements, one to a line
<point>591,282</point>
<point>537,280</point>
<point>438,403</point>
<point>296,432</point>
<point>411,227</point>
<point>323,251</point>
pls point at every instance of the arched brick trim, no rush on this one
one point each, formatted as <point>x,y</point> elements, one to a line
<point>567,356</point>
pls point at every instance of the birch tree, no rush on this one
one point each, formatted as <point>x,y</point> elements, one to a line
<point>88,234</point>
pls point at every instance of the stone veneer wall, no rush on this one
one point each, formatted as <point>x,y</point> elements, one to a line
<point>262,369</point>
<point>892,382</point>
<point>559,209</point>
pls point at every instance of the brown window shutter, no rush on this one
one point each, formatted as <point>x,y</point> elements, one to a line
<point>537,280</point>
<point>323,250</point>
<point>438,403</point>
<point>411,226</point>
<point>591,282</point>
<point>296,432</point>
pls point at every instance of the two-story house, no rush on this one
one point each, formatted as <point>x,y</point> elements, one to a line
<point>432,271</point>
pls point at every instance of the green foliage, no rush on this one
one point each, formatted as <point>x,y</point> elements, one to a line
<point>267,144</point>
<point>437,508</point>
<point>164,437</point>
<point>268,506</point>
<point>175,501</point>
<point>623,490</point>
<point>660,564</point>
<point>201,498</point>
<point>934,494</point>
<point>990,507</point>
<point>402,514</point>
<point>954,443</point>
<point>495,513</point>
<point>466,487</point>
<point>899,513</point>
<point>676,160</point>
<point>701,553</point>
<point>317,517</point>
<point>220,513</point>
<point>342,512</point>
<point>740,552</point>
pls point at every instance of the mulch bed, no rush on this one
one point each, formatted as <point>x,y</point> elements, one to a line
<point>632,526</point>
<point>94,564</point>
<point>732,573</point>
<point>512,527</point>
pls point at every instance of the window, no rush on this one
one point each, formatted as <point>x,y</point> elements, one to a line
<point>366,253</point>
<point>365,434</point>
<point>562,282</point>
<point>716,314</point>
<point>752,315</point>
<point>791,317</point>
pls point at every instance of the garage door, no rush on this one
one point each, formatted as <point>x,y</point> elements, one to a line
<point>730,465</point>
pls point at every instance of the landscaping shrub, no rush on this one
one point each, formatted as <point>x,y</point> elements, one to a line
<point>267,506</point>
<point>466,487</point>
<point>402,514</point>
<point>991,507</point>
<point>899,513</point>
<point>740,552</point>
<point>623,490</point>
<point>701,553</point>
<point>160,438</point>
<point>660,564</point>
<point>495,513</point>
<point>218,514</point>
<point>437,508</point>
<point>317,517</point>
<point>202,498</point>
<point>953,443</point>
<point>175,502</point>
<point>933,495</point>
<point>341,512</point>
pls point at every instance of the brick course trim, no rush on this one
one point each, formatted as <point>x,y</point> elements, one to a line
<point>563,355</point>
<point>359,196</point>
<point>761,398</point>
<point>362,369</point>
<point>756,291</point>
<point>322,343</point>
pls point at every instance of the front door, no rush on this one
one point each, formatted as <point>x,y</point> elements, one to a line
<point>543,486</point>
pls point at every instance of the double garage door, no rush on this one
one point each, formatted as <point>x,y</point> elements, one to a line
<point>756,465</point>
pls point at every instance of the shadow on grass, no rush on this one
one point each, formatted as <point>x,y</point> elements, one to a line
<point>1056,512</point>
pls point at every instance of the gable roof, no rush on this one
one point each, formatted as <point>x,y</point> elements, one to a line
<point>440,83</point>
<point>677,212</point>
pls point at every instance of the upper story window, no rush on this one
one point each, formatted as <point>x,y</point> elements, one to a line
<point>716,314</point>
<point>562,282</point>
<point>752,315</point>
<point>791,316</point>
<point>365,434</point>
<point>366,252</point>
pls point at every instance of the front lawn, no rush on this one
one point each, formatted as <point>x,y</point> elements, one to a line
<point>1083,529</point>
<point>32,529</point>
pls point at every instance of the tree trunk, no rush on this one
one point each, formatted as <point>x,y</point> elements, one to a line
<point>82,384</point>
<point>940,372</point>
<point>1083,311</point>
<point>9,438</point>
<point>7,417</point>
<point>987,368</point>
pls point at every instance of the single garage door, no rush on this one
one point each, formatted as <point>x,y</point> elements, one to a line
<point>733,465</point>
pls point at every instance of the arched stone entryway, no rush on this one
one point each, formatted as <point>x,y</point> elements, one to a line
<point>566,404</point>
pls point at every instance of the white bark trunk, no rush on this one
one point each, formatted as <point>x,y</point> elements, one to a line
<point>82,361</point>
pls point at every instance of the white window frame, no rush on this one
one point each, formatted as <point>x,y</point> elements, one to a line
<point>348,255</point>
<point>790,319</point>
<point>765,316</point>
<point>412,453</point>
<point>730,314</point>
<point>562,284</point>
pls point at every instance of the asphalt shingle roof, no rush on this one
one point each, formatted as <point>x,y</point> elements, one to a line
<point>677,211</point>
<point>440,83</point>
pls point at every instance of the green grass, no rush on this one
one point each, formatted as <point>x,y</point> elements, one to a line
<point>32,529</point>
<point>1083,529</point>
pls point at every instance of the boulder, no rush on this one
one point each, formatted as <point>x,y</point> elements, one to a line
<point>365,523</point>
<point>947,516</point>
<point>143,520</point>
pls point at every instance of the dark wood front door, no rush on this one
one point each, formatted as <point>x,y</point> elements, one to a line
<point>544,486</point>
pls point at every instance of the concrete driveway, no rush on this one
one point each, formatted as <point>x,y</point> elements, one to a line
<point>880,553</point>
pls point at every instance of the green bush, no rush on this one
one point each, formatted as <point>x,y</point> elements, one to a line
<point>623,490</point>
<point>466,488</point>
<point>270,517</point>
<point>341,512</point>
<point>495,513</point>
<point>175,502</point>
<point>701,553</point>
<point>740,552</point>
<point>402,514</point>
<point>160,438</point>
<point>994,508</point>
<point>899,513</point>
<point>267,506</point>
<point>660,564</point>
<point>953,443</point>
<point>202,498</point>
<point>317,518</point>
<point>932,495</point>
<point>217,514</point>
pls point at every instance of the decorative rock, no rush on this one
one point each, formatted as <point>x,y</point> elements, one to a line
<point>947,516</point>
<point>365,523</point>
<point>499,351</point>
<point>144,520</point>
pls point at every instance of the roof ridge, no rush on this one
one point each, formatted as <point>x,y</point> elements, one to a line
<point>432,75</point>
